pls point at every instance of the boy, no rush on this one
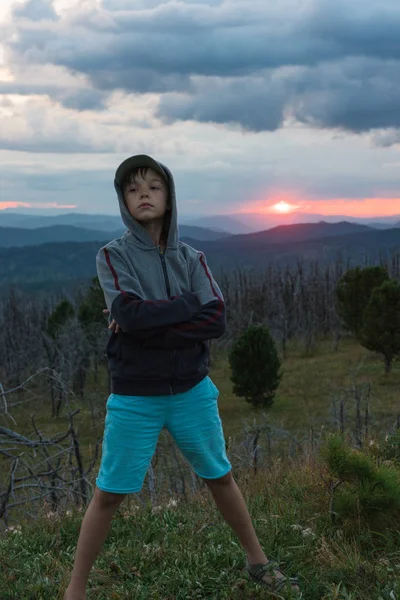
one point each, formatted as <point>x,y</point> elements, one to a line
<point>165,305</point>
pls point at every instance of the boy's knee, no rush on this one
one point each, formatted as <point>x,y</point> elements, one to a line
<point>226,479</point>
<point>107,499</point>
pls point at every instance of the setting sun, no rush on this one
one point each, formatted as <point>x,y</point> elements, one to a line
<point>283,207</point>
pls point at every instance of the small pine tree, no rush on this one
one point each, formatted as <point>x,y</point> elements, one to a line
<point>59,317</point>
<point>381,326</point>
<point>91,309</point>
<point>353,293</point>
<point>368,494</point>
<point>390,449</point>
<point>255,366</point>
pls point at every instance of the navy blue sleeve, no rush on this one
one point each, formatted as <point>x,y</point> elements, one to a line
<point>208,323</point>
<point>123,295</point>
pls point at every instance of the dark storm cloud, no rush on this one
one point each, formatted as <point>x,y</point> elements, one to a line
<point>331,65</point>
<point>257,104</point>
<point>357,95</point>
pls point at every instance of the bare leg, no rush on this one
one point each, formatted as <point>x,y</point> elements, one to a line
<point>232,506</point>
<point>94,530</point>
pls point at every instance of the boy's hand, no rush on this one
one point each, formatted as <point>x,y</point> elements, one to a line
<point>113,325</point>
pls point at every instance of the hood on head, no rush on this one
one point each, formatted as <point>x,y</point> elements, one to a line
<point>137,230</point>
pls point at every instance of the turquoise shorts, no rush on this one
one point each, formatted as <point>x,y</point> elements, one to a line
<point>133,425</point>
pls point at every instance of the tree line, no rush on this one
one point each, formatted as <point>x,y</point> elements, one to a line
<point>50,347</point>
<point>307,303</point>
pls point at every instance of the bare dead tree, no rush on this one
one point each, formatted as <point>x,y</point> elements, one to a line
<point>42,469</point>
<point>296,301</point>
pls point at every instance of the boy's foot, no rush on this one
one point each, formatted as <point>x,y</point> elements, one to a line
<point>71,595</point>
<point>271,577</point>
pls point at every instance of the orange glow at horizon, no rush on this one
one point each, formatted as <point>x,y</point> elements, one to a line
<point>10,204</point>
<point>351,207</point>
<point>13,204</point>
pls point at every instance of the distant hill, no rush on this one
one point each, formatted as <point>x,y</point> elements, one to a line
<point>300,232</point>
<point>220,223</point>
<point>234,224</point>
<point>65,261</point>
<point>75,262</point>
<point>268,220</point>
<point>85,221</point>
<point>14,236</point>
<point>247,252</point>
<point>380,225</point>
<point>97,223</point>
<point>201,233</point>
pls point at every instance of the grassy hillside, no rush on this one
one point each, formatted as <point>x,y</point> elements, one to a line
<point>311,385</point>
<point>176,550</point>
<point>310,388</point>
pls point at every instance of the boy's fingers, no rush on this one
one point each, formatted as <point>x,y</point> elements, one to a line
<point>114,325</point>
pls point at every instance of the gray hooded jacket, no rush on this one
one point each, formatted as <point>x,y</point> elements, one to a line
<point>168,307</point>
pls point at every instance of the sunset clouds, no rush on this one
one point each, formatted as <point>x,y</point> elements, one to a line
<point>241,99</point>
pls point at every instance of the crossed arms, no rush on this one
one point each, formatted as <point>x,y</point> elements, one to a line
<point>184,320</point>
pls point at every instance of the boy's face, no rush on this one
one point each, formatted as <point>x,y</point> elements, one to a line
<point>146,197</point>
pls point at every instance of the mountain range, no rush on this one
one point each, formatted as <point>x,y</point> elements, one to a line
<point>51,265</point>
<point>33,221</point>
<point>298,232</point>
<point>251,222</point>
<point>267,220</point>
<point>356,244</point>
<point>233,224</point>
<point>224,224</point>
<point>14,236</point>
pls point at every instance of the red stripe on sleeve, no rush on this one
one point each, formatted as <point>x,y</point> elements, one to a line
<point>113,271</point>
<point>204,323</point>
<point>203,264</point>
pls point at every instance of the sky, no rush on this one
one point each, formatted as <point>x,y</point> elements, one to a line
<point>255,106</point>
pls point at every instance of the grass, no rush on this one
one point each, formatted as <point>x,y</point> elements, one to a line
<point>309,383</point>
<point>304,398</point>
<point>180,550</point>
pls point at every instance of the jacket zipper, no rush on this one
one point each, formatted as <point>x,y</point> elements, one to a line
<point>164,268</point>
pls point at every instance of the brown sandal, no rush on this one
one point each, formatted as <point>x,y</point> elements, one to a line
<point>265,574</point>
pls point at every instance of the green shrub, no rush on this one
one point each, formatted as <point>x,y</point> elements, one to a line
<point>365,492</point>
<point>390,449</point>
<point>255,366</point>
<point>59,317</point>
<point>380,331</point>
<point>353,293</point>
<point>91,309</point>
